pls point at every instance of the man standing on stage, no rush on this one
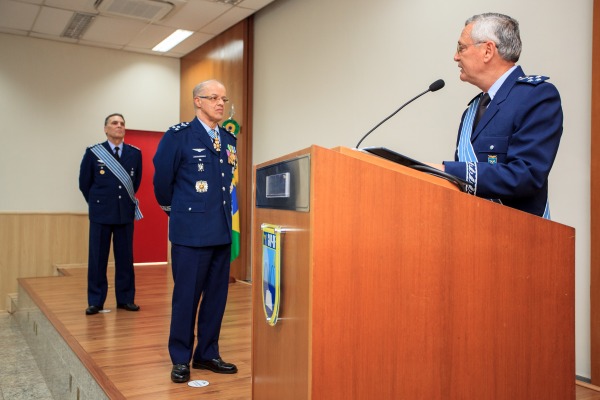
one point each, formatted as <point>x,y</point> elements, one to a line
<point>109,177</point>
<point>194,166</point>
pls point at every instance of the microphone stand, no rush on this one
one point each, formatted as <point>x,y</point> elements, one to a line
<point>394,113</point>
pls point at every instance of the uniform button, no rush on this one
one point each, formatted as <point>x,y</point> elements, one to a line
<point>119,196</point>
<point>221,161</point>
<point>224,202</point>
<point>97,201</point>
<point>190,209</point>
<point>222,174</point>
<point>223,188</point>
<point>120,187</point>
<point>492,147</point>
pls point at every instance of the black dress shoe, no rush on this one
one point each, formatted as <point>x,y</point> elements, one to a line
<point>91,310</point>
<point>215,365</point>
<point>129,307</point>
<point>180,373</point>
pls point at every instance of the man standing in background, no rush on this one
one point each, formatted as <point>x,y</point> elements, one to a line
<point>194,166</point>
<point>109,177</point>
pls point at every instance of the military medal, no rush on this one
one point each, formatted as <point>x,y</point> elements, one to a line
<point>492,159</point>
<point>201,186</point>
<point>200,167</point>
<point>214,135</point>
<point>217,144</point>
<point>101,172</point>
<point>231,155</point>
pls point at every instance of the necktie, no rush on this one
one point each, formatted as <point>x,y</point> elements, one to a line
<point>117,153</point>
<point>483,103</point>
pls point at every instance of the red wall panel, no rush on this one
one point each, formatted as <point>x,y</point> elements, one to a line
<point>150,240</point>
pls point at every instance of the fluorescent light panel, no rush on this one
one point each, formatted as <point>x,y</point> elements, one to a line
<point>173,40</point>
<point>78,25</point>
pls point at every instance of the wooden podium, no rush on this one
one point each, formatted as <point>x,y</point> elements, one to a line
<point>396,285</point>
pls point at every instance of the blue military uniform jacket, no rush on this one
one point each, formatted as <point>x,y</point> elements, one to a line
<point>107,197</point>
<point>516,143</point>
<point>192,184</point>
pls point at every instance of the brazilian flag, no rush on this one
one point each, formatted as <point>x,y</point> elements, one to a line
<point>235,219</point>
<point>233,127</point>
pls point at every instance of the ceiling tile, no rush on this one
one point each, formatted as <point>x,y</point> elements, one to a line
<point>115,31</point>
<point>192,43</point>
<point>53,37</point>
<point>139,50</point>
<point>195,15</point>
<point>15,15</point>
<point>178,51</point>
<point>254,4</point>
<point>52,21</point>
<point>19,32</point>
<point>86,6</point>
<point>47,19</point>
<point>230,18</point>
<point>103,44</point>
<point>150,36</point>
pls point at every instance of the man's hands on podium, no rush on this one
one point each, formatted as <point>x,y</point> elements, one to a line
<point>441,167</point>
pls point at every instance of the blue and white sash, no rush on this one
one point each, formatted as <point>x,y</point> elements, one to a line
<point>117,169</point>
<point>466,154</point>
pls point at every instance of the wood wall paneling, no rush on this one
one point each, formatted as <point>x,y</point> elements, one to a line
<point>32,243</point>
<point>228,58</point>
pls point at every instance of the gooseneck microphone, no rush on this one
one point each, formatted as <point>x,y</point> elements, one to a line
<point>435,86</point>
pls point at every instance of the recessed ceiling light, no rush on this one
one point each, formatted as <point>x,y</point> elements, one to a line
<point>173,40</point>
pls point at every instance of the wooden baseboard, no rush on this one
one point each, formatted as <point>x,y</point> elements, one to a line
<point>587,385</point>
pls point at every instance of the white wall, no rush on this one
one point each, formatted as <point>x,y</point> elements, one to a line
<point>325,72</point>
<point>53,101</point>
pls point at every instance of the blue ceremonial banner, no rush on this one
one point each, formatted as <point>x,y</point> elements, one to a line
<point>271,271</point>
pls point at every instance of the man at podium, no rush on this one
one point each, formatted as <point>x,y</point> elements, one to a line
<point>509,135</point>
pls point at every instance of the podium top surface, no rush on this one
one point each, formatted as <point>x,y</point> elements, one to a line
<point>401,159</point>
<point>397,166</point>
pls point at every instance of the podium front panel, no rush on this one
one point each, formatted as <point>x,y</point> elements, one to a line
<point>395,286</point>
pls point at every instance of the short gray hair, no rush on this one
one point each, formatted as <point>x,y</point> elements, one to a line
<point>113,115</point>
<point>500,29</point>
<point>200,87</point>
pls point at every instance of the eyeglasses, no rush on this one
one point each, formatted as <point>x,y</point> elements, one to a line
<point>214,98</point>
<point>462,47</point>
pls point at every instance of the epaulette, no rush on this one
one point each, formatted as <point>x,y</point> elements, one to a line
<point>180,126</point>
<point>89,147</point>
<point>532,79</point>
<point>135,147</point>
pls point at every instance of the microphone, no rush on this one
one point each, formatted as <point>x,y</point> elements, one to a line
<point>434,87</point>
<point>437,85</point>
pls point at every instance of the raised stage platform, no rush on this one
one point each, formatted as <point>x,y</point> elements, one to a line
<point>122,354</point>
